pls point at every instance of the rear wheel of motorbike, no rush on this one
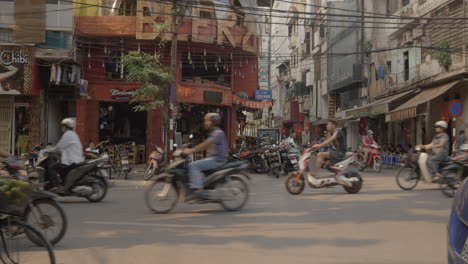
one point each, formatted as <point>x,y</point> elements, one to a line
<point>99,191</point>
<point>149,172</point>
<point>356,185</point>
<point>407,178</point>
<point>48,217</point>
<point>262,167</point>
<point>450,185</point>
<point>294,186</point>
<point>377,165</point>
<point>361,163</point>
<point>240,198</point>
<point>161,204</point>
<point>276,172</point>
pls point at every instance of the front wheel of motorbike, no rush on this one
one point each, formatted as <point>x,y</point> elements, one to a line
<point>159,202</point>
<point>294,186</point>
<point>450,184</point>
<point>99,191</point>
<point>48,217</point>
<point>356,185</point>
<point>240,197</point>
<point>407,178</point>
<point>149,172</point>
<point>377,165</point>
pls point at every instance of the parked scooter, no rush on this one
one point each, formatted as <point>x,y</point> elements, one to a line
<point>415,168</point>
<point>42,211</point>
<point>273,158</point>
<point>256,159</point>
<point>155,163</point>
<point>226,185</point>
<point>373,159</point>
<point>349,179</point>
<point>85,179</point>
<point>289,155</point>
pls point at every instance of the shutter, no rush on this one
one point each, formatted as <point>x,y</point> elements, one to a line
<point>412,63</point>
<point>6,116</point>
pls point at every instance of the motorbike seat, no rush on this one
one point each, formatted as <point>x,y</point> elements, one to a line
<point>227,165</point>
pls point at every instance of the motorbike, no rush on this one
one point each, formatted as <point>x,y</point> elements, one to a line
<point>273,158</point>
<point>227,185</point>
<point>85,179</point>
<point>256,159</point>
<point>123,164</point>
<point>42,210</point>
<point>351,182</point>
<point>415,169</point>
<point>100,151</point>
<point>289,155</point>
<point>373,159</point>
<point>155,163</point>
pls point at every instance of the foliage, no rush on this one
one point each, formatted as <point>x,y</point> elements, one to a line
<point>155,78</point>
<point>442,54</point>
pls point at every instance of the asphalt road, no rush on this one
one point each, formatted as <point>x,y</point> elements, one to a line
<point>381,224</point>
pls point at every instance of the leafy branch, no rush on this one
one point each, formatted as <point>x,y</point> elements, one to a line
<point>442,54</point>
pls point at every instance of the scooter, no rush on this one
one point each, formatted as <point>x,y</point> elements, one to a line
<point>227,185</point>
<point>415,169</point>
<point>155,163</point>
<point>349,179</point>
<point>373,160</point>
<point>273,158</point>
<point>289,155</point>
<point>256,159</point>
<point>85,179</point>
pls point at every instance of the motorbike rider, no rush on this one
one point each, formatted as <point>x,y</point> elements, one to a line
<point>367,141</point>
<point>217,147</point>
<point>440,147</point>
<point>72,153</point>
<point>336,152</point>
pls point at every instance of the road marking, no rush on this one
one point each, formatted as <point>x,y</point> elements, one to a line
<point>148,224</point>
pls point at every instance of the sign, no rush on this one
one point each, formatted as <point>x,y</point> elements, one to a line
<point>263,95</point>
<point>119,94</point>
<point>263,74</point>
<point>83,87</point>
<point>251,104</point>
<point>456,108</point>
<point>267,136</point>
<point>16,69</point>
<point>331,105</point>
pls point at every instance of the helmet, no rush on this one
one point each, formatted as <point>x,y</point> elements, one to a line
<point>370,132</point>
<point>69,122</point>
<point>214,117</point>
<point>441,124</point>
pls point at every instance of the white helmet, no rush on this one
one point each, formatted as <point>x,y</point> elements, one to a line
<point>441,124</point>
<point>69,122</point>
<point>370,132</point>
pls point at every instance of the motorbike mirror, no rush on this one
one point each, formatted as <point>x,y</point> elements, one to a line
<point>191,136</point>
<point>175,145</point>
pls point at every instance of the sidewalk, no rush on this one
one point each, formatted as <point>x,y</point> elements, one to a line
<point>135,178</point>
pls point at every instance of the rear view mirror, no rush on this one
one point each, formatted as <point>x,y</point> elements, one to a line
<point>191,136</point>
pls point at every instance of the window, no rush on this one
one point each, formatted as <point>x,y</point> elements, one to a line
<point>421,2</point>
<point>206,14</point>
<point>52,2</point>
<point>6,35</point>
<point>406,65</point>
<point>240,19</point>
<point>57,40</point>
<point>392,7</point>
<point>128,8</point>
<point>290,29</point>
<point>113,65</point>
<point>405,2</point>
<point>307,43</point>
<point>209,69</point>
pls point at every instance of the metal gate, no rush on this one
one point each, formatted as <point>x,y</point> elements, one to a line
<point>6,115</point>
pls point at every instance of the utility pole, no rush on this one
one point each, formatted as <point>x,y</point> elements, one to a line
<point>169,131</point>
<point>270,122</point>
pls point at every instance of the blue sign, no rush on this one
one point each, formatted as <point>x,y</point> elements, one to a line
<point>263,95</point>
<point>456,108</point>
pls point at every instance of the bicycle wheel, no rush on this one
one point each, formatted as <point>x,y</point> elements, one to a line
<point>15,247</point>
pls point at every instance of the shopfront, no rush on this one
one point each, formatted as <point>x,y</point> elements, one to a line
<point>19,122</point>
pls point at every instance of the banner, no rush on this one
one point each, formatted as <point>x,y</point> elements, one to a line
<point>263,73</point>
<point>251,104</point>
<point>16,69</point>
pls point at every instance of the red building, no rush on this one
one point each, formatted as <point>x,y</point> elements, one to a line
<point>215,60</point>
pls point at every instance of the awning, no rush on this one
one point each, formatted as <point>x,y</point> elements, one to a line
<point>408,109</point>
<point>375,108</point>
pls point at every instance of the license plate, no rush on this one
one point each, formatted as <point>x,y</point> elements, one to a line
<point>125,162</point>
<point>293,161</point>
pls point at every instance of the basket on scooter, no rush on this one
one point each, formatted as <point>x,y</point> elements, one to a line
<point>14,196</point>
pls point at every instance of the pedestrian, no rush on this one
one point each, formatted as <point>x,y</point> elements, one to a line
<point>461,139</point>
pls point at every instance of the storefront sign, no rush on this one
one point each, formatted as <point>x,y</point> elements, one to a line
<point>456,108</point>
<point>83,87</point>
<point>331,105</point>
<point>118,94</point>
<point>251,104</point>
<point>263,95</point>
<point>267,136</point>
<point>16,69</point>
<point>263,74</point>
